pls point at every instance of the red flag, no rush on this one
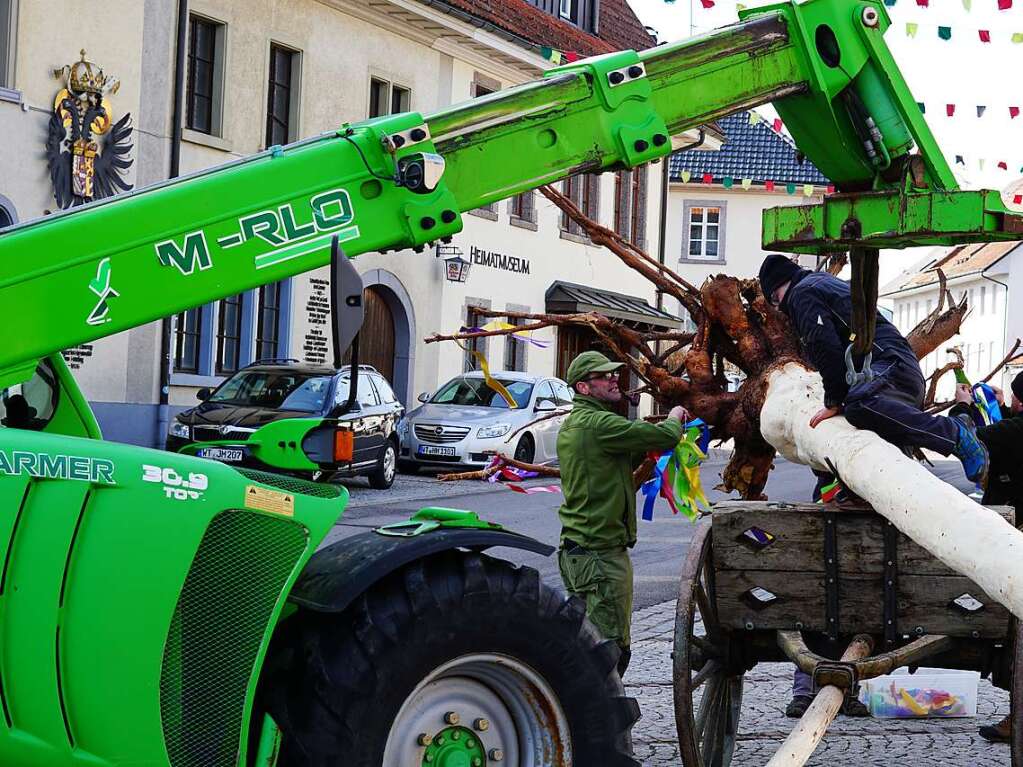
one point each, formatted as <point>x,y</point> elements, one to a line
<point>1017,199</point>
<point>1003,165</point>
<point>1013,112</point>
<point>572,56</point>
<point>769,186</point>
<point>708,178</point>
<point>707,3</point>
<point>923,3</point>
<point>831,188</point>
<point>777,125</point>
<point>985,35</point>
<point>950,109</point>
<point>1004,5</point>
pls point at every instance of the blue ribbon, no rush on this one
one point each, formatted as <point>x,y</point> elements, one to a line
<point>652,487</point>
<point>986,401</point>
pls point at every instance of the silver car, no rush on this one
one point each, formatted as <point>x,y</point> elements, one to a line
<point>465,420</point>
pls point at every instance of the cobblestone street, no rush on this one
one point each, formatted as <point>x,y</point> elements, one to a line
<point>763,726</point>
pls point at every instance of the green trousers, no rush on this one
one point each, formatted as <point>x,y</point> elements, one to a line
<point>603,579</point>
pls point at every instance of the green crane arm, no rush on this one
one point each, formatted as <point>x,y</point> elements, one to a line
<point>403,181</point>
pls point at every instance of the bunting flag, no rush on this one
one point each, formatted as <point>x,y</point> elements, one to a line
<point>677,474</point>
<point>747,183</point>
<point>980,110</point>
<point>945,33</point>
<point>1017,199</point>
<point>708,4</point>
<point>950,110</point>
<point>777,125</point>
<point>535,489</point>
<point>1004,5</point>
<point>830,189</point>
<point>790,188</point>
<point>911,28</point>
<point>708,178</point>
<point>727,182</point>
<point>555,56</point>
<point>967,4</point>
<point>1017,37</point>
<point>1013,113</point>
<point>808,190</point>
<point>754,117</point>
<point>923,107</point>
<point>1003,165</point>
<point>686,175</point>
<point>923,3</point>
<point>769,186</point>
<point>985,35</point>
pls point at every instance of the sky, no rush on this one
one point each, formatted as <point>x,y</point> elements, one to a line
<point>963,71</point>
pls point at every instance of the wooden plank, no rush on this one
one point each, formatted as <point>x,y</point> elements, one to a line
<point>924,601</point>
<point>798,544</point>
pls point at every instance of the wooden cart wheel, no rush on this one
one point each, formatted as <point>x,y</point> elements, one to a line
<point>1016,696</point>
<point>708,694</point>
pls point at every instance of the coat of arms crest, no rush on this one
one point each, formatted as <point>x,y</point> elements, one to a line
<point>82,166</point>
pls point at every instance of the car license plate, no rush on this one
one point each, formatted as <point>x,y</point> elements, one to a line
<point>431,450</point>
<point>221,454</point>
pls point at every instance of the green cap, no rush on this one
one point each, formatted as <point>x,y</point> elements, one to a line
<point>588,363</point>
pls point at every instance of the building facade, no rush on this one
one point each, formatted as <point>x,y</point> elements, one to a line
<point>257,73</point>
<point>716,199</point>
<point>991,277</point>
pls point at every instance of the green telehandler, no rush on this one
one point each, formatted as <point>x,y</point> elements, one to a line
<point>159,609</point>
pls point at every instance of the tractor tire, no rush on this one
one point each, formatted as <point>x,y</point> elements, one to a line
<point>459,657</point>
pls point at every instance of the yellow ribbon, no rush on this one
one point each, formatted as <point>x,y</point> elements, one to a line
<point>490,381</point>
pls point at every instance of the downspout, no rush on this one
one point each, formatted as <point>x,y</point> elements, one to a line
<point>1005,303</point>
<point>177,117</point>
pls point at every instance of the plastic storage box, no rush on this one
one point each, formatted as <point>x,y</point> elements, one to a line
<point>930,692</point>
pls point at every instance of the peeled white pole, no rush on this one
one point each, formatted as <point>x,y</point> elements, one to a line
<point>964,535</point>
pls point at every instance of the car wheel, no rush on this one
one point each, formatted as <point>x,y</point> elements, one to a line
<point>525,450</point>
<point>455,659</point>
<point>383,475</point>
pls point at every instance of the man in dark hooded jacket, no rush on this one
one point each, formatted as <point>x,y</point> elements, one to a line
<point>820,306</point>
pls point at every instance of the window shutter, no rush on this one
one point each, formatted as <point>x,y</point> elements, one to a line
<point>639,236</point>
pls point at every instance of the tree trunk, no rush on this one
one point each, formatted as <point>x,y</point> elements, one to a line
<point>967,537</point>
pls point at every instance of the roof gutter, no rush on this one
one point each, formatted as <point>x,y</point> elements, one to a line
<point>479,23</point>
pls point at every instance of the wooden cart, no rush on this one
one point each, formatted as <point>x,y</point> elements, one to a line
<point>768,582</point>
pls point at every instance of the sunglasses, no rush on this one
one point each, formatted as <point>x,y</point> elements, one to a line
<point>603,376</point>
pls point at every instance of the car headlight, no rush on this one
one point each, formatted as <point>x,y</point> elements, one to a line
<point>494,430</point>
<point>178,429</point>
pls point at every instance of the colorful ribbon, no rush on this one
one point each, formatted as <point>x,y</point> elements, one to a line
<point>986,404</point>
<point>535,489</point>
<point>677,474</point>
<point>490,381</point>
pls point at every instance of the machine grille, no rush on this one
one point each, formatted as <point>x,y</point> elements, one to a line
<point>237,576</point>
<point>292,484</point>
<point>428,432</point>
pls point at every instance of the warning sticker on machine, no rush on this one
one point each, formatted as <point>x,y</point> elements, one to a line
<point>269,500</point>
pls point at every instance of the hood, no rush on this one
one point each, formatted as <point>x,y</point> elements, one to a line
<point>252,417</point>
<point>797,278</point>
<point>431,413</point>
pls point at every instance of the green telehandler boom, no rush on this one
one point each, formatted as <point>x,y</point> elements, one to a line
<point>160,609</point>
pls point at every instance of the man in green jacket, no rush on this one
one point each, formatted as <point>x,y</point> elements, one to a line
<point>597,451</point>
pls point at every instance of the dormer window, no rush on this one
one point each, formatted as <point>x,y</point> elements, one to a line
<point>581,13</point>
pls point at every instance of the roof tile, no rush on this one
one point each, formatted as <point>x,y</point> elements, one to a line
<point>750,151</point>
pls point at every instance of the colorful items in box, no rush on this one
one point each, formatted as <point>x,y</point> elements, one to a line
<point>896,702</point>
<point>677,474</point>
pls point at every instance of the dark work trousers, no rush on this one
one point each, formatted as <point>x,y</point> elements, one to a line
<point>890,405</point>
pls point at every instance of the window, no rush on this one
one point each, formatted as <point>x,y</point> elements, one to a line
<point>637,207</point>
<point>623,196</point>
<point>229,335</point>
<point>545,393</point>
<point>268,321</point>
<point>522,210</point>
<point>8,35</point>
<point>473,319</point>
<point>565,8</point>
<point>584,191</point>
<point>203,97</point>
<point>281,96</point>
<point>563,394</point>
<point>514,350</point>
<point>221,338</point>
<point>384,390</point>
<point>703,235</point>
<point>186,346</point>
<point>8,213</point>
<point>983,299</point>
<point>386,98</point>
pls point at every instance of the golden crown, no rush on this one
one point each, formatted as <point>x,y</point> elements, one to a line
<point>85,77</point>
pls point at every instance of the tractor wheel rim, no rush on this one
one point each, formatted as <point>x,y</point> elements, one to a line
<point>480,710</point>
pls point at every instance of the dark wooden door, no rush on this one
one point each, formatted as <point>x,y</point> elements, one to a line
<point>573,341</point>
<point>376,340</point>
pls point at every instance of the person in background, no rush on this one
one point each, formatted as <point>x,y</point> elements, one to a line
<point>597,451</point>
<point>1004,442</point>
